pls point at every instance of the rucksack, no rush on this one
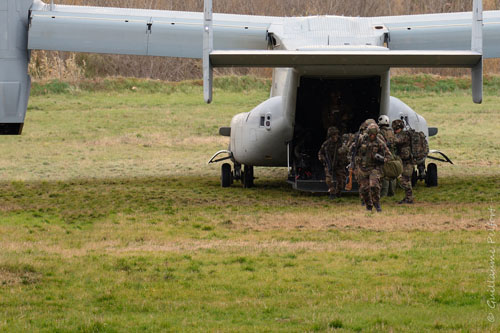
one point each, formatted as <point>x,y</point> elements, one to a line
<point>419,146</point>
<point>393,168</point>
<point>389,137</point>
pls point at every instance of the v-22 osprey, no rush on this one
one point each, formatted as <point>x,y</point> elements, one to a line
<point>328,70</point>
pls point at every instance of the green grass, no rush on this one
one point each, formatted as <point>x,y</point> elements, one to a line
<point>111,221</point>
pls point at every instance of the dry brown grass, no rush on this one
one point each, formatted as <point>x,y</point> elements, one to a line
<point>432,217</point>
<point>12,278</point>
<point>158,139</point>
<point>117,248</point>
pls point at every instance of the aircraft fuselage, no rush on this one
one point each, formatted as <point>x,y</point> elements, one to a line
<point>311,100</point>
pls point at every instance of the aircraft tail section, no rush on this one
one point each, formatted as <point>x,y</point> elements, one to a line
<point>380,57</point>
<point>141,32</point>
<point>14,79</point>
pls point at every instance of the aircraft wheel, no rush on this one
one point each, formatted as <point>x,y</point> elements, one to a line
<point>248,177</point>
<point>432,175</point>
<point>225,177</point>
<point>414,178</point>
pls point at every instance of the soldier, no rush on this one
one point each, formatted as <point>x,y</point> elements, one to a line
<point>403,150</point>
<point>334,159</point>
<point>354,147</point>
<point>302,153</point>
<point>388,185</point>
<point>372,153</point>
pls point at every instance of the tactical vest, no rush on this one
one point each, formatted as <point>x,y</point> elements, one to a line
<point>367,151</point>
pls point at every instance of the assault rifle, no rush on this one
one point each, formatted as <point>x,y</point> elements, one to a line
<point>352,165</point>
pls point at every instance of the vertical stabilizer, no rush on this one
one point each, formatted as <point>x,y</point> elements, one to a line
<point>14,79</point>
<point>208,46</point>
<point>477,46</point>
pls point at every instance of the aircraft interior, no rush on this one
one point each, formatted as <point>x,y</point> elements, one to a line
<point>324,102</point>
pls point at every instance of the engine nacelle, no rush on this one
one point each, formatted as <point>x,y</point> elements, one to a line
<point>260,137</point>
<point>14,80</point>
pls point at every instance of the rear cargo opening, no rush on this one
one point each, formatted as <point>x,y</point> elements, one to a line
<point>321,103</point>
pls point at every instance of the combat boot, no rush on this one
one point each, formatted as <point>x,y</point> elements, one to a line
<point>405,201</point>
<point>377,207</point>
<point>369,208</point>
<point>332,196</point>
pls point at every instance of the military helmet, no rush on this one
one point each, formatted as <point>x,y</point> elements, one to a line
<point>398,124</point>
<point>333,131</point>
<point>367,123</point>
<point>372,129</point>
<point>383,120</point>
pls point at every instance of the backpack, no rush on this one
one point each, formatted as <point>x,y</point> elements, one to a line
<point>393,168</point>
<point>389,137</point>
<point>419,146</point>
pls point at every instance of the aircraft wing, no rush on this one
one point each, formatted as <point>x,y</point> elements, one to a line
<point>440,32</point>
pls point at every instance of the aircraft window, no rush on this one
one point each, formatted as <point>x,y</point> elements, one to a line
<point>262,120</point>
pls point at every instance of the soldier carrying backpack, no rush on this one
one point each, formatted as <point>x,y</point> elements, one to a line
<point>394,167</point>
<point>412,148</point>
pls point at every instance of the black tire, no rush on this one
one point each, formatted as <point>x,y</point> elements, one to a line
<point>247,177</point>
<point>414,178</point>
<point>225,177</point>
<point>432,175</point>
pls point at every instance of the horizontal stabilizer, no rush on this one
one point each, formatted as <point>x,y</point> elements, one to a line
<point>466,59</point>
<point>140,32</point>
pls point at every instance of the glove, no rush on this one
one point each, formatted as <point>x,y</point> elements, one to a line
<point>379,158</point>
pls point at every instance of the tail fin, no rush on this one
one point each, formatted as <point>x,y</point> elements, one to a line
<point>477,46</point>
<point>14,80</point>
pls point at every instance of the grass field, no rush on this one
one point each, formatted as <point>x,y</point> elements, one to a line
<point>111,221</point>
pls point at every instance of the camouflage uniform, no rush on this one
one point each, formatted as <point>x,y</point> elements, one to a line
<point>336,152</point>
<point>355,144</point>
<point>403,150</point>
<point>370,170</point>
<point>388,185</point>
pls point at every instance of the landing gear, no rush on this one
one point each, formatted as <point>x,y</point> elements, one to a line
<point>226,177</point>
<point>431,179</point>
<point>247,177</point>
<point>429,175</point>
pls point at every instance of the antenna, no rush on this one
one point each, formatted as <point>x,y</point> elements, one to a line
<point>208,46</point>
<point>477,46</point>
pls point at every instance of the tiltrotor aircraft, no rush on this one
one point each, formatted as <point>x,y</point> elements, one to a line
<point>328,70</point>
